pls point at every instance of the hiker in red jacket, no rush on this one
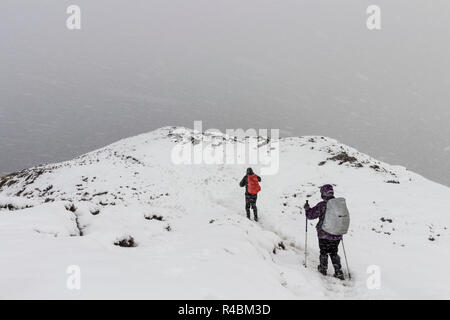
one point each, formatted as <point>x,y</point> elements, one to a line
<point>252,187</point>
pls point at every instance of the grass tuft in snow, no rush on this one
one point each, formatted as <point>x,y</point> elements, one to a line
<point>94,212</point>
<point>155,217</point>
<point>70,207</point>
<point>127,242</point>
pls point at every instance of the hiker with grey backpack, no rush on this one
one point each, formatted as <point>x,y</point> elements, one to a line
<point>333,223</point>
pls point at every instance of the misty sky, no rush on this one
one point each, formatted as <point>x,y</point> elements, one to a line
<point>305,67</point>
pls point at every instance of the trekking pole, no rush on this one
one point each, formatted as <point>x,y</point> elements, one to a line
<point>345,256</point>
<point>306,237</point>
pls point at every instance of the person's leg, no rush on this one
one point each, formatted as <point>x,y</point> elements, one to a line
<point>336,260</point>
<point>247,206</point>
<point>254,208</point>
<point>323,258</point>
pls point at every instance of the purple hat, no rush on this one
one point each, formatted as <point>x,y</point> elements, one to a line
<point>326,191</point>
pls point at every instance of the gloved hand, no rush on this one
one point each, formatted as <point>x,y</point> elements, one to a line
<point>306,206</point>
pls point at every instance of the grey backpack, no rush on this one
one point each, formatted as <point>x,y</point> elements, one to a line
<point>337,217</point>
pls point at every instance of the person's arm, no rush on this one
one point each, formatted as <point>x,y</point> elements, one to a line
<point>259,178</point>
<point>314,213</point>
<point>242,183</point>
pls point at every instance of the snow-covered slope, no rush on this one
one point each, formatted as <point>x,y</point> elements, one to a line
<point>189,232</point>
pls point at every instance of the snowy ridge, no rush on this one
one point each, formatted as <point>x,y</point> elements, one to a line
<point>187,231</point>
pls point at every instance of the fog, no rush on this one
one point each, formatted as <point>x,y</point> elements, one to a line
<point>304,67</point>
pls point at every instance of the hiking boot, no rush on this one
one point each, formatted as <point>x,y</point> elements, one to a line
<point>322,270</point>
<point>339,275</point>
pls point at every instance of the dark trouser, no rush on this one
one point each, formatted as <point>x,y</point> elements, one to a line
<point>329,247</point>
<point>250,201</point>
